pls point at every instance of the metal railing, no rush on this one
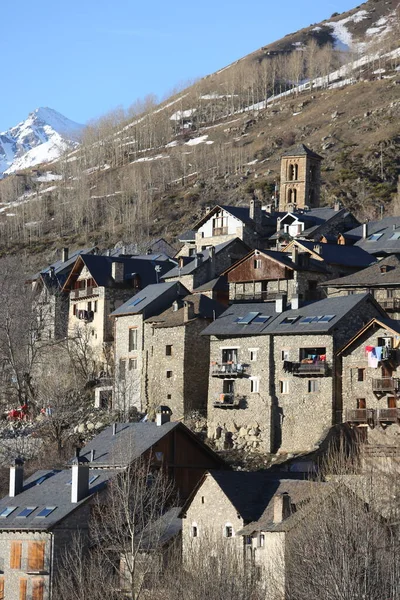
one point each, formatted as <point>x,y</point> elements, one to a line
<point>320,367</point>
<point>385,384</point>
<point>228,400</point>
<point>391,304</point>
<point>229,369</point>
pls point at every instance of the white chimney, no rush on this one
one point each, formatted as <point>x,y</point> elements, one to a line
<point>80,478</point>
<point>295,254</point>
<point>280,303</point>
<point>295,302</point>
<point>212,269</point>
<point>64,254</point>
<point>117,271</point>
<point>163,415</point>
<point>365,231</point>
<point>281,507</point>
<point>16,478</point>
<point>188,311</point>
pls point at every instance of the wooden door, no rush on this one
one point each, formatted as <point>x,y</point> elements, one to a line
<point>391,402</point>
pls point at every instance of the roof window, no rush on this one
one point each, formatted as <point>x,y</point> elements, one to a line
<point>92,479</point>
<point>374,237</point>
<point>395,236</point>
<point>291,320</point>
<point>326,318</point>
<point>26,511</point>
<point>309,320</point>
<point>45,512</point>
<point>261,319</point>
<point>136,302</point>
<point>247,319</point>
<point>7,511</point>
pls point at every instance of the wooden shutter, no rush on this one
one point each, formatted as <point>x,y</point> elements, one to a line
<point>37,589</point>
<point>2,588</point>
<point>15,555</point>
<point>22,589</point>
<point>36,556</point>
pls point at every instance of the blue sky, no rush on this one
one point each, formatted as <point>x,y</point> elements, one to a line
<point>87,57</point>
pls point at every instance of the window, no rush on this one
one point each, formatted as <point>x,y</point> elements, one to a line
<point>229,355</point>
<point>195,531</point>
<point>37,589</point>
<point>169,396</point>
<point>36,556</point>
<point>202,499</point>
<point>15,555</point>
<point>248,318</point>
<point>285,355</point>
<point>169,374</point>
<point>284,386</point>
<point>122,369</point>
<point>93,479</point>
<point>133,339</point>
<point>290,320</point>
<point>22,589</point>
<point>261,319</point>
<point>7,511</point>
<point>261,541</point>
<point>45,512</point>
<point>253,355</point>
<point>254,385</point>
<point>374,237</point>
<point>228,531</point>
<point>395,236</point>
<point>168,350</point>
<point>95,306</point>
<point>26,511</point>
<point>257,263</point>
<point>389,293</point>
<point>313,385</point>
<point>360,374</point>
<point>132,364</point>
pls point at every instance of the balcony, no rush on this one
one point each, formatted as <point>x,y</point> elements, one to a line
<point>220,231</point>
<point>389,415</point>
<point>263,296</point>
<point>372,417</point>
<point>307,369</point>
<point>385,384</point>
<point>84,292</point>
<point>360,415</point>
<point>229,370</point>
<point>228,400</point>
<point>391,304</point>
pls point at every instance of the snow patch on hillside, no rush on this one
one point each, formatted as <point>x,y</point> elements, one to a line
<point>343,37</point>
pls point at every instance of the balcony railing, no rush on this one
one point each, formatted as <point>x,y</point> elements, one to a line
<point>228,400</point>
<point>391,304</point>
<point>83,292</point>
<point>220,231</point>
<point>320,367</point>
<point>262,296</point>
<point>385,384</point>
<point>229,370</point>
<point>371,416</point>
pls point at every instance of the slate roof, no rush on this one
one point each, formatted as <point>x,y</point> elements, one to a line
<point>204,308</point>
<point>100,268</point>
<point>385,322</point>
<point>284,258</point>
<point>371,276</point>
<point>389,227</point>
<point>192,264</point>
<point>187,236</point>
<point>54,491</point>
<point>60,267</point>
<point>131,441</point>
<point>300,492</point>
<point>337,254</point>
<point>336,307</point>
<point>219,283</point>
<point>302,150</point>
<point>151,293</point>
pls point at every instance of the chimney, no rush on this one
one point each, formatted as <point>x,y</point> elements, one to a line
<point>52,272</point>
<point>281,507</point>
<point>365,231</point>
<point>92,453</point>
<point>80,478</point>
<point>114,429</point>
<point>188,311</point>
<point>198,259</point>
<point>163,415</point>
<point>64,254</point>
<point>295,255</point>
<point>117,271</point>
<point>317,248</point>
<point>211,258</point>
<point>280,303</point>
<point>295,302</point>
<point>278,225</point>
<point>207,209</point>
<point>175,306</point>
<point>336,206</point>
<point>16,478</point>
<point>255,212</point>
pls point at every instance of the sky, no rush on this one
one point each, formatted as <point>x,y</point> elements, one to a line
<point>85,58</point>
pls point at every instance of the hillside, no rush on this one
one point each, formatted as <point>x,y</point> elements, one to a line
<point>333,86</point>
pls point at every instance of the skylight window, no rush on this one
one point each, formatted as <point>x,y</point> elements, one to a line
<point>92,479</point>
<point>43,478</point>
<point>290,320</point>
<point>309,320</point>
<point>261,319</point>
<point>45,512</point>
<point>374,237</point>
<point>136,302</point>
<point>395,236</point>
<point>247,318</point>
<point>326,318</point>
<point>26,511</point>
<point>7,511</point>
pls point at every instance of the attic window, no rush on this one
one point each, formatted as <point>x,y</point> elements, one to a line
<point>374,237</point>
<point>290,320</point>
<point>326,318</point>
<point>395,236</point>
<point>383,268</point>
<point>261,319</point>
<point>27,511</point>
<point>247,319</point>
<point>310,320</point>
<point>7,511</point>
<point>92,479</point>
<point>136,302</point>
<point>45,512</point>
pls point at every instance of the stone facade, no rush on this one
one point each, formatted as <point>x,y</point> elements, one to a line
<point>130,363</point>
<point>387,297</point>
<point>52,313</point>
<point>300,182</point>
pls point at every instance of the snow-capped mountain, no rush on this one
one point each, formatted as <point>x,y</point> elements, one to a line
<point>42,137</point>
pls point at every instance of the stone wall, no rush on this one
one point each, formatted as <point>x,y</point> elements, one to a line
<point>248,425</point>
<point>381,295</point>
<point>306,185</point>
<point>129,386</point>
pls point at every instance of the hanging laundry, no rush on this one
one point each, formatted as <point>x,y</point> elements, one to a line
<point>372,359</point>
<point>378,352</point>
<point>368,349</point>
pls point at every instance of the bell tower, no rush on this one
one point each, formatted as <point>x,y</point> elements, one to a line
<point>300,179</point>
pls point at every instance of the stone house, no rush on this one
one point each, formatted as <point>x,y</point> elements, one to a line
<point>208,264</point>
<point>97,285</point>
<point>130,350</point>
<point>379,238</point>
<point>262,275</point>
<point>177,357</point>
<point>369,367</point>
<point>217,289</point>
<point>272,377</point>
<point>49,301</point>
<point>338,260</point>
<point>381,279</point>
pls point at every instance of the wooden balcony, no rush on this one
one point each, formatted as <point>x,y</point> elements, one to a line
<point>385,384</point>
<point>220,231</point>
<point>84,292</point>
<point>360,415</point>
<point>371,416</point>
<point>391,304</point>
<point>319,368</point>
<point>229,370</point>
<point>263,296</point>
<point>229,400</point>
<point>389,415</point>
